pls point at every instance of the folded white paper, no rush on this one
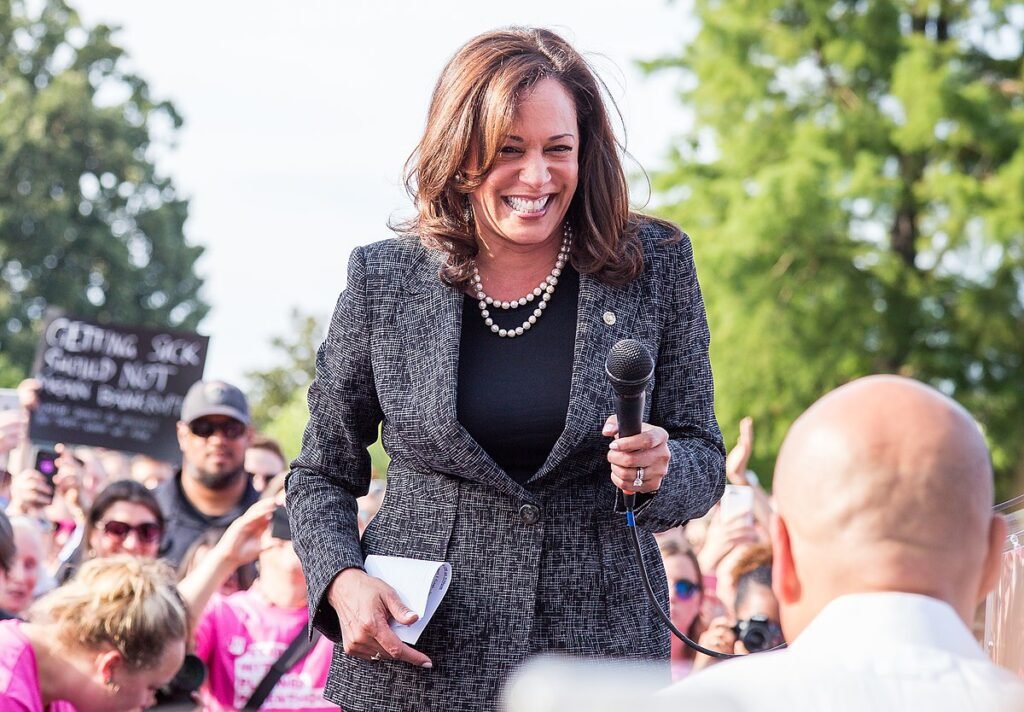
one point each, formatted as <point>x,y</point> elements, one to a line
<point>420,584</point>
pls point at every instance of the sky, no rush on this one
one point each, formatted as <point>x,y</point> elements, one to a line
<point>299,117</point>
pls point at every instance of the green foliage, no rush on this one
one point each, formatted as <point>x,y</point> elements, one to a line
<point>854,184</point>
<point>288,423</point>
<point>277,396</point>
<point>87,225</point>
<point>272,391</point>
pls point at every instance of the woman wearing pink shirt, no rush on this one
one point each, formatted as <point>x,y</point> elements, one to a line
<point>103,642</point>
<point>240,636</point>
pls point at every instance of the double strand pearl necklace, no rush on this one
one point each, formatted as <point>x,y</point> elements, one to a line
<point>544,291</point>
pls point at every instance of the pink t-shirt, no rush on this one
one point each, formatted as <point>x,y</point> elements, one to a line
<point>239,637</point>
<point>19,677</point>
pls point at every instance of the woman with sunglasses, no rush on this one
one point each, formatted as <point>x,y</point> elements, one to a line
<point>124,519</point>
<point>686,594</point>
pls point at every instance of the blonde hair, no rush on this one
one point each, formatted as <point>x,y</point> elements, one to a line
<point>123,602</point>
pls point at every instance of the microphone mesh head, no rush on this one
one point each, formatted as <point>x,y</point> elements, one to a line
<point>629,361</point>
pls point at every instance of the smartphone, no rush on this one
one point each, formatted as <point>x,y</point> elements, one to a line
<point>737,500</point>
<point>46,464</point>
<point>280,526</point>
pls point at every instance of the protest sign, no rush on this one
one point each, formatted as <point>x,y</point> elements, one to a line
<point>118,387</point>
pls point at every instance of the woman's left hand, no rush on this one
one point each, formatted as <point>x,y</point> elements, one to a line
<point>648,450</point>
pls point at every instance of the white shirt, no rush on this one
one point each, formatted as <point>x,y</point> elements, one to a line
<point>872,651</point>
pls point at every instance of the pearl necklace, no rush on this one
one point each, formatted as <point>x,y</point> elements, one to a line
<point>544,290</point>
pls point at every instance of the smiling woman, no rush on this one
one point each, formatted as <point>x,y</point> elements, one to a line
<point>496,419</point>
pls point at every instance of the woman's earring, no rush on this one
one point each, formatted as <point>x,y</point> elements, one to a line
<point>467,213</point>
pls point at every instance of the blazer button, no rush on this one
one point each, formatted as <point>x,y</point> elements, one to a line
<point>529,513</point>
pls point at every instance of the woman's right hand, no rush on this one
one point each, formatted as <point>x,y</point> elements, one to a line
<point>722,537</point>
<point>241,542</point>
<point>13,430</point>
<point>719,637</point>
<point>30,493</point>
<point>365,605</point>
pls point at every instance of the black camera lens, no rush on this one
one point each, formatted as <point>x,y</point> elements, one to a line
<point>758,633</point>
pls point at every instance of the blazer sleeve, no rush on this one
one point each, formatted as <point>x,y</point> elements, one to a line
<point>333,468</point>
<point>683,402</point>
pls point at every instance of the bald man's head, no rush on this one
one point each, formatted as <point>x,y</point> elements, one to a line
<point>885,484</point>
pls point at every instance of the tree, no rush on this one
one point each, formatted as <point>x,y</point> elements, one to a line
<point>277,395</point>
<point>87,224</point>
<point>275,389</point>
<point>854,182</point>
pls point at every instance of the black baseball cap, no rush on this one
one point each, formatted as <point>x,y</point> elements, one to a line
<point>214,398</point>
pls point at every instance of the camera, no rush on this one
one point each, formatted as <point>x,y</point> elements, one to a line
<point>758,633</point>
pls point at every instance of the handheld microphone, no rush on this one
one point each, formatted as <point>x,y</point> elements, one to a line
<point>629,368</point>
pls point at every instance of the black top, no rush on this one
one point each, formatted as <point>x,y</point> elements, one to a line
<point>513,394</point>
<point>184,523</point>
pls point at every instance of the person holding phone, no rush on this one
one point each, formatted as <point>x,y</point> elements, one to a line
<point>54,472</point>
<point>239,637</point>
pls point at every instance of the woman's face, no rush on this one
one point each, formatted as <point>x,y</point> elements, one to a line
<point>278,561</point>
<point>130,689</point>
<point>759,601</point>
<point>683,590</point>
<point>22,577</point>
<point>136,689</point>
<point>126,528</point>
<point>524,197</point>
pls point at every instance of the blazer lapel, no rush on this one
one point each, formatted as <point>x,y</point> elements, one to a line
<point>431,350</point>
<point>604,316</point>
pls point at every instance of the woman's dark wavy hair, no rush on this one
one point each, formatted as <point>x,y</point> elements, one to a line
<point>471,113</point>
<point>119,491</point>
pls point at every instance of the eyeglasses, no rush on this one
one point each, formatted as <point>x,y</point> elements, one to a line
<point>147,532</point>
<point>684,589</point>
<point>231,429</point>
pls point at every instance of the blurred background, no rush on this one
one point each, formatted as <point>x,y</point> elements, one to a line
<point>851,174</point>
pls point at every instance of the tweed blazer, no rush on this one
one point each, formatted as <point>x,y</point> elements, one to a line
<point>545,567</point>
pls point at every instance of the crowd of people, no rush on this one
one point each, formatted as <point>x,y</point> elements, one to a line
<point>226,584</point>
<point>151,561</point>
<point>111,585</point>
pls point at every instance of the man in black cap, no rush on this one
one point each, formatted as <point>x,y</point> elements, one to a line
<point>212,488</point>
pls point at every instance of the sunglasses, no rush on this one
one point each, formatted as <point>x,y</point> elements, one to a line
<point>147,532</point>
<point>231,429</point>
<point>684,589</point>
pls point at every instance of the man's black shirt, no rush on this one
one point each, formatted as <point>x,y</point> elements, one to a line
<point>185,523</point>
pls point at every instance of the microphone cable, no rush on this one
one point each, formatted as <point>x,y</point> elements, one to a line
<point>634,539</point>
<point>629,368</point>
